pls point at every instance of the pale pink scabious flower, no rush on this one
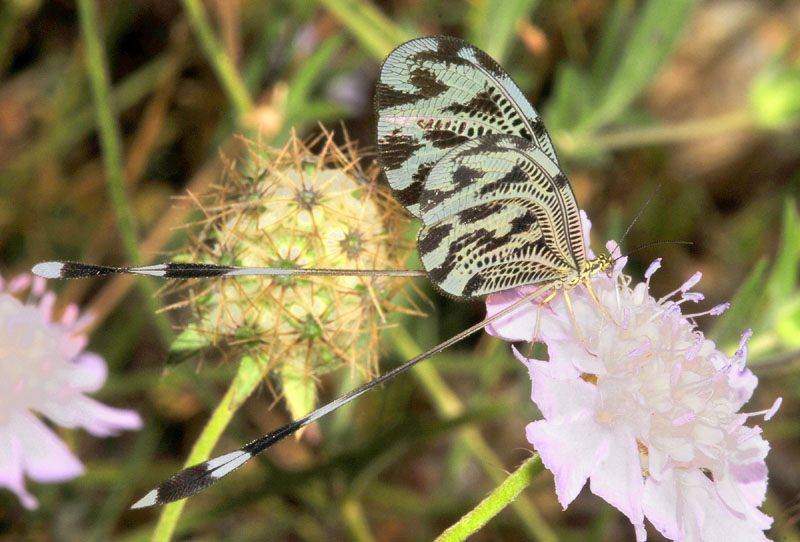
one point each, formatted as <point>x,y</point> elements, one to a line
<point>646,408</point>
<point>44,370</point>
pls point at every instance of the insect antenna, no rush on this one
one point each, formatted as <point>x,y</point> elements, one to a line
<point>198,477</point>
<point>635,219</point>
<point>654,243</point>
<point>639,214</point>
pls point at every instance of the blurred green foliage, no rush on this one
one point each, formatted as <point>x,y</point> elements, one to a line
<point>700,97</point>
<point>768,301</point>
<point>633,45</point>
<point>775,95</point>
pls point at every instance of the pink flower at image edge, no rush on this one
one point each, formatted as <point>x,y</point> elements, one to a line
<point>645,408</point>
<point>44,370</point>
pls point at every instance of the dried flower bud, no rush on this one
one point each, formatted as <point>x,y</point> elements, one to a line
<point>289,208</point>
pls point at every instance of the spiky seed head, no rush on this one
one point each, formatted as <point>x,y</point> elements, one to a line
<point>293,208</point>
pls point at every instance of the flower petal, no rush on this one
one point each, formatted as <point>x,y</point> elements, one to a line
<point>660,504</point>
<point>559,398</point>
<point>45,457</point>
<point>517,326</point>
<point>11,472</point>
<point>744,382</point>
<point>730,493</point>
<point>752,481</point>
<point>716,522</point>
<point>617,478</point>
<point>686,506</point>
<point>90,372</point>
<point>570,450</point>
<point>586,226</point>
<point>98,419</point>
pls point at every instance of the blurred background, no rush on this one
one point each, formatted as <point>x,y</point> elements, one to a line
<point>699,98</point>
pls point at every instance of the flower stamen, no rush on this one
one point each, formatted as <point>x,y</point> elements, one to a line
<point>695,297</point>
<point>654,266</point>
<point>768,413</point>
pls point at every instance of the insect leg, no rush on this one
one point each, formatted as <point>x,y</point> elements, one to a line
<point>594,296</point>
<point>575,321</point>
<point>538,316</point>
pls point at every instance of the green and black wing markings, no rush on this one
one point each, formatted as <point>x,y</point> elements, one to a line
<point>465,152</point>
<point>514,223</point>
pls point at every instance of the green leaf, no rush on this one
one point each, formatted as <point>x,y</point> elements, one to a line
<point>189,339</point>
<point>740,316</point>
<point>570,100</point>
<point>787,324</point>
<point>320,110</point>
<point>493,24</point>
<point>767,302</point>
<point>299,390</point>
<point>376,33</point>
<point>782,279</point>
<point>309,74</point>
<point>252,368</point>
<point>186,345</point>
<point>775,96</point>
<point>651,41</point>
<point>610,42</point>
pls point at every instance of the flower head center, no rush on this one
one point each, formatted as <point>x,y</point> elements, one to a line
<point>307,198</point>
<point>352,244</point>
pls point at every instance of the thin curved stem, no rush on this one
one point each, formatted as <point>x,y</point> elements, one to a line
<point>450,406</point>
<point>221,62</point>
<point>111,144</point>
<point>495,502</point>
<point>243,384</point>
<point>657,134</point>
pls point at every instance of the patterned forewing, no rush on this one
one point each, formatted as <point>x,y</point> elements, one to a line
<point>498,214</point>
<point>436,93</point>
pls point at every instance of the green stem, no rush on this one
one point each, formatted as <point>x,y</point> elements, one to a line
<point>354,518</point>
<point>221,62</point>
<point>448,405</point>
<point>659,134</point>
<point>111,145</point>
<point>494,503</point>
<point>243,384</point>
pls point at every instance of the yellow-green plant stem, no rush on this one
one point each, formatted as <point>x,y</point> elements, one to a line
<point>354,518</point>
<point>221,62</point>
<point>656,135</point>
<point>243,384</point>
<point>110,143</point>
<point>489,507</point>
<point>448,405</point>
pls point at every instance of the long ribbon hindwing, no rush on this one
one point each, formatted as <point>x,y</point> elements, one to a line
<point>436,93</point>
